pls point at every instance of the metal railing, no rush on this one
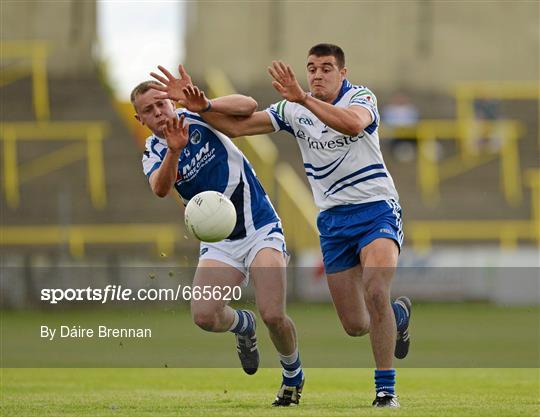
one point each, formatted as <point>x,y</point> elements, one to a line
<point>464,130</point>
<point>33,57</point>
<point>77,237</point>
<point>430,172</point>
<point>466,94</point>
<point>126,112</point>
<point>508,232</point>
<point>91,134</point>
<point>30,58</point>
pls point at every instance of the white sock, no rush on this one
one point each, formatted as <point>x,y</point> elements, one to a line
<point>289,359</point>
<point>235,321</point>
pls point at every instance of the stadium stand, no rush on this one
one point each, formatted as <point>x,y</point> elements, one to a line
<point>71,173</point>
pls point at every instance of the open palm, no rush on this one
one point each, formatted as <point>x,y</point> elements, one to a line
<point>172,87</point>
<point>176,133</point>
<point>285,82</point>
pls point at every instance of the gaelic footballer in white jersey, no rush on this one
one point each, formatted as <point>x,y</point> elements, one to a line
<point>341,169</point>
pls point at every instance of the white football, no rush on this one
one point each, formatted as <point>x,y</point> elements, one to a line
<point>210,216</point>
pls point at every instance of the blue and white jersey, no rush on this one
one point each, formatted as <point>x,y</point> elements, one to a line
<point>341,169</point>
<point>210,161</point>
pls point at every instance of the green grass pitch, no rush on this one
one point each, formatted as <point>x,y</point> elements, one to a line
<point>467,360</point>
<point>228,392</point>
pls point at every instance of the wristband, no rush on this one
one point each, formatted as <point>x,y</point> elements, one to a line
<point>208,108</point>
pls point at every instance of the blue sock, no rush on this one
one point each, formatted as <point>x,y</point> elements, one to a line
<point>385,380</point>
<point>402,319</point>
<point>292,369</point>
<point>243,323</point>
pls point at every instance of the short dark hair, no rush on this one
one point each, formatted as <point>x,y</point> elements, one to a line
<point>328,49</point>
<point>141,89</point>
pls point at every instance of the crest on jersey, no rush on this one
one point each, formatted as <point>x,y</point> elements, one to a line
<point>304,120</point>
<point>195,137</point>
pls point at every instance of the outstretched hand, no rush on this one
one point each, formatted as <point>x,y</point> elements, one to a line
<point>195,100</point>
<point>171,87</point>
<point>176,132</point>
<point>285,82</point>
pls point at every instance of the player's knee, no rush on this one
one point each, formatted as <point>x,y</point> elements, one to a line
<point>205,320</point>
<point>356,329</point>
<point>273,319</point>
<point>269,258</point>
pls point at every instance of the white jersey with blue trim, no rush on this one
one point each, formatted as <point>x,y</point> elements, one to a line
<point>341,169</point>
<point>211,161</point>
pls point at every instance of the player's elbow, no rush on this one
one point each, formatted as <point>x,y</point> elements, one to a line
<point>160,191</point>
<point>158,186</point>
<point>231,132</point>
<point>245,106</point>
<point>356,123</point>
<point>161,194</point>
<point>354,128</point>
<point>248,107</point>
<point>236,128</point>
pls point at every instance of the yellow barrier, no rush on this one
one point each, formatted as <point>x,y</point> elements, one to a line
<point>464,129</point>
<point>532,180</point>
<point>507,232</point>
<point>162,235</point>
<point>91,132</point>
<point>294,202</point>
<point>467,92</point>
<point>431,172</point>
<point>127,114</point>
<point>36,52</point>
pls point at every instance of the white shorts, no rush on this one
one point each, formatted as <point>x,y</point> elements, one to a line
<point>241,253</point>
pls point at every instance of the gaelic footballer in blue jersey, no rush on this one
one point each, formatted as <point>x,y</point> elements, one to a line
<point>336,126</point>
<point>187,154</point>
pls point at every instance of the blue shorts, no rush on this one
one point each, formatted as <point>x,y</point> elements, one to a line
<point>345,230</point>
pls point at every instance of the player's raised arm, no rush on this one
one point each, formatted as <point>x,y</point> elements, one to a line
<point>234,126</point>
<point>350,121</point>
<point>232,105</point>
<point>176,134</point>
<point>233,115</point>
